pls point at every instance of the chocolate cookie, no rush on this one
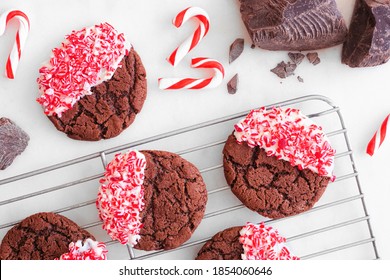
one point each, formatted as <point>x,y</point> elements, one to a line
<point>224,245</point>
<point>293,25</point>
<point>249,242</point>
<point>42,236</point>
<point>113,106</point>
<point>160,196</point>
<point>269,186</point>
<point>13,141</point>
<point>278,163</point>
<point>99,107</point>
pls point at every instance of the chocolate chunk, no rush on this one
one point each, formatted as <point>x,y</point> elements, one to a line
<point>313,58</point>
<point>296,58</point>
<point>368,40</point>
<point>283,70</point>
<point>236,49</point>
<point>293,25</point>
<point>232,84</point>
<point>13,141</point>
<point>300,79</point>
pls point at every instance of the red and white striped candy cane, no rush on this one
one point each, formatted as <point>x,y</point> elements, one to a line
<point>20,39</point>
<point>192,83</point>
<point>378,139</point>
<point>201,31</point>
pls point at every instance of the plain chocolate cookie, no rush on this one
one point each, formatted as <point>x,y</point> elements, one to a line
<point>269,186</point>
<point>111,108</point>
<point>42,236</point>
<point>224,245</point>
<point>175,201</point>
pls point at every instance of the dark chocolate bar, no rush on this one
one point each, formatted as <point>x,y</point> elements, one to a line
<point>299,25</point>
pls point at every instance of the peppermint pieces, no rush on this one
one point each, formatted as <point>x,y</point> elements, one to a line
<point>289,135</point>
<point>87,250</point>
<point>263,243</point>
<point>85,59</point>
<point>121,197</point>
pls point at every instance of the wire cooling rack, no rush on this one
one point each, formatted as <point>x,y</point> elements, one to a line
<point>338,227</point>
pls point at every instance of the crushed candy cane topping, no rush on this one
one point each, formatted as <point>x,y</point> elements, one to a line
<point>87,250</point>
<point>262,242</point>
<point>121,197</point>
<point>85,59</point>
<point>288,135</point>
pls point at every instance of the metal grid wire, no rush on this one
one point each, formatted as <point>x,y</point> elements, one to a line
<point>338,227</point>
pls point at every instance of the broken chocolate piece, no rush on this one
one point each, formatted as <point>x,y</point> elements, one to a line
<point>293,25</point>
<point>13,141</point>
<point>283,70</point>
<point>236,49</point>
<point>232,84</point>
<point>313,58</point>
<point>296,58</point>
<point>368,40</point>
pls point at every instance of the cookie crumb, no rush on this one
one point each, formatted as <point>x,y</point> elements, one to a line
<point>300,79</point>
<point>232,85</point>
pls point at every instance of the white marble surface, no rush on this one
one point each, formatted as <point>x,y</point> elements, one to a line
<point>362,94</point>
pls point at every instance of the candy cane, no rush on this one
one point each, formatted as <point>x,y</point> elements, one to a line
<point>20,39</point>
<point>191,83</point>
<point>378,139</point>
<point>201,31</point>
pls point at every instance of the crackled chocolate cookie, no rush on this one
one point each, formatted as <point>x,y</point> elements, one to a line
<point>13,141</point>
<point>42,236</point>
<point>293,25</point>
<point>224,245</point>
<point>250,242</point>
<point>94,85</point>
<point>151,200</point>
<point>278,162</point>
